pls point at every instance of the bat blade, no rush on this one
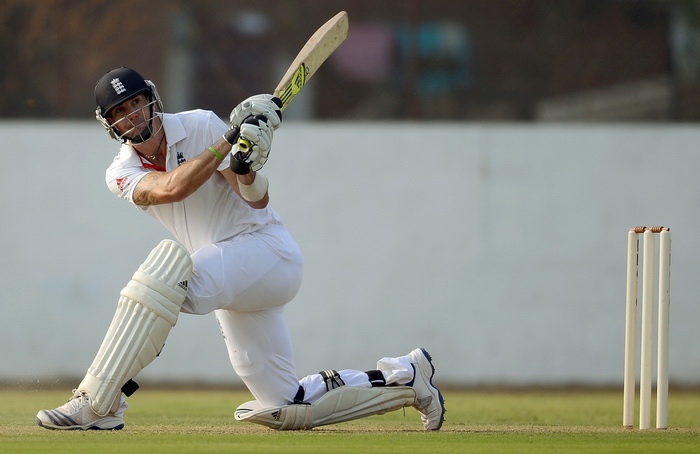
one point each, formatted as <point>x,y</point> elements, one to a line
<point>310,58</point>
<point>316,51</point>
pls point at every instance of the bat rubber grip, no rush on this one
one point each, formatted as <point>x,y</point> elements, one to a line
<point>243,144</point>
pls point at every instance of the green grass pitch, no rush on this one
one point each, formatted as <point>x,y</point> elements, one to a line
<point>522,421</point>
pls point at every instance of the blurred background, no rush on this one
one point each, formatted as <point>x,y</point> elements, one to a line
<point>507,147</point>
<point>506,60</point>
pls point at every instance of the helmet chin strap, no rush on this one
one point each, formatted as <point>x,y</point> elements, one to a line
<point>143,135</point>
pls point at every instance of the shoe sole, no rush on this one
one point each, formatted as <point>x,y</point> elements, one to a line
<point>430,382</point>
<point>91,427</point>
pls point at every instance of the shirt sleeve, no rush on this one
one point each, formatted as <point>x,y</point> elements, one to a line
<point>122,180</point>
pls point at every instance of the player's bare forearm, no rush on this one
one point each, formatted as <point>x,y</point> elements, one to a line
<point>167,187</point>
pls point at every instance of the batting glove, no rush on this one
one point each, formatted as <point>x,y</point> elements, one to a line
<point>258,131</point>
<point>267,105</point>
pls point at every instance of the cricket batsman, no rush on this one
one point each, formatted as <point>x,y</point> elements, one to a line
<point>231,255</point>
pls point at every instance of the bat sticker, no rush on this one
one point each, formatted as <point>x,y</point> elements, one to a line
<point>295,85</point>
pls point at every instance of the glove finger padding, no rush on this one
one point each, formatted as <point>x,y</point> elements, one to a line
<point>267,105</point>
<point>259,132</point>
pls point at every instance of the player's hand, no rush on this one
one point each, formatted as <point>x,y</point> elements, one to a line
<point>267,105</point>
<point>258,131</point>
<point>239,165</point>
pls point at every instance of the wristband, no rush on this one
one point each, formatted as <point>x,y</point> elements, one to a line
<point>256,191</point>
<point>216,153</point>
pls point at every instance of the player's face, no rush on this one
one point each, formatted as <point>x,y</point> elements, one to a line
<point>130,115</point>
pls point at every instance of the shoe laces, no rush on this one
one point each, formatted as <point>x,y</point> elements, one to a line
<point>79,400</point>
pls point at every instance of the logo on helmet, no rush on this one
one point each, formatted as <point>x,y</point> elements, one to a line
<point>118,86</point>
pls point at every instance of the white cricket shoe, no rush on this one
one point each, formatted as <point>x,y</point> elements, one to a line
<point>429,401</point>
<point>77,414</point>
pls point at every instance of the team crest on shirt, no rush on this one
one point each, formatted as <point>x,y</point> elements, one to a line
<point>180,158</point>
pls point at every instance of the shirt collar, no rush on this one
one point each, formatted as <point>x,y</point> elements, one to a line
<point>174,132</point>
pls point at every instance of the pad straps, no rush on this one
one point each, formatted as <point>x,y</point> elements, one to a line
<point>299,398</point>
<point>130,388</point>
<point>332,379</point>
<point>376,378</point>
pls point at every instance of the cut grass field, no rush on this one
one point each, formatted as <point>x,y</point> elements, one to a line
<point>534,421</point>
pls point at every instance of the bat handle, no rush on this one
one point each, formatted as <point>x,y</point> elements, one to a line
<point>243,144</point>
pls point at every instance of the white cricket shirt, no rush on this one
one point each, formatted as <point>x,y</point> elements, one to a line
<point>211,214</point>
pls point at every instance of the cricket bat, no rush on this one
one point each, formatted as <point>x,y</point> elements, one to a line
<point>309,59</point>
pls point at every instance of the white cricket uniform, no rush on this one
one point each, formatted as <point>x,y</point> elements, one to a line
<point>247,267</point>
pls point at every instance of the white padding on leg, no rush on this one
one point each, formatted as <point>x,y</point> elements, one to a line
<point>147,310</point>
<point>339,405</point>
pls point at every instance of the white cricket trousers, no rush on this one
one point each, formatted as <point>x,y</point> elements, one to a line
<point>247,282</point>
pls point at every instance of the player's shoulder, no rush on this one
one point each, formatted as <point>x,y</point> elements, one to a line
<point>122,165</point>
<point>195,114</point>
<point>126,157</point>
<point>198,119</point>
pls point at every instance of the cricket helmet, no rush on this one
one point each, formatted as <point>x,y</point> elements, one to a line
<point>117,86</point>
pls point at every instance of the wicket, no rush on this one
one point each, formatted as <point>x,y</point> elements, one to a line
<point>664,289</point>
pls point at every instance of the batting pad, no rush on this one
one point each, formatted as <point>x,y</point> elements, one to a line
<point>147,310</point>
<point>339,405</point>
